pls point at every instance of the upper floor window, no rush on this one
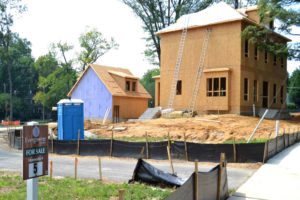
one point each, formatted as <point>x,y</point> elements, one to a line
<point>275,60</point>
<point>127,85</point>
<point>255,53</point>
<point>281,62</point>
<point>133,86</point>
<point>216,87</point>
<point>246,48</point>
<point>281,95</point>
<point>178,88</point>
<point>266,56</point>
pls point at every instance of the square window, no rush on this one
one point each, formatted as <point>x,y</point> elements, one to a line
<point>127,85</point>
<point>133,86</point>
<point>178,87</point>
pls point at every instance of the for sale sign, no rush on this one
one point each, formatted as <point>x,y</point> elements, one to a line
<point>35,151</point>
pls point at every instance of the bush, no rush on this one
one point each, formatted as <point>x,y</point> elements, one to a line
<point>291,105</point>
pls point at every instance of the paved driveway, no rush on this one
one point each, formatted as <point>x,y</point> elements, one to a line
<point>114,169</point>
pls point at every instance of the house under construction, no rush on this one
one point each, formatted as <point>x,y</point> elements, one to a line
<point>207,66</point>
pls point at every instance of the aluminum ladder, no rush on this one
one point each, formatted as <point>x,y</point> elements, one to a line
<point>199,71</point>
<point>178,64</point>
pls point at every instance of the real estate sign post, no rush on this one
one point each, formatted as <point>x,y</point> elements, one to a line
<point>35,157</point>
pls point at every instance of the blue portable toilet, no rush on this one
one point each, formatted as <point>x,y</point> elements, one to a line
<point>70,119</point>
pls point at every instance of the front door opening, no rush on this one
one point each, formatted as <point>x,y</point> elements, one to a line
<point>116,114</point>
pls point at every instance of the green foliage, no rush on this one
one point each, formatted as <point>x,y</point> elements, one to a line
<point>294,87</point>
<point>13,187</point>
<point>149,84</point>
<point>268,11</point>
<point>291,105</point>
<point>46,64</point>
<point>94,45</point>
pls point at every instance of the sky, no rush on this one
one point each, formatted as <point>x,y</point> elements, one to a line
<point>51,21</point>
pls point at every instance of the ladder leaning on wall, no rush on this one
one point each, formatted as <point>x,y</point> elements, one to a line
<point>178,64</point>
<point>199,71</point>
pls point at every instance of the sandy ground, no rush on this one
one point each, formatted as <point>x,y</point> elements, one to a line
<point>207,128</point>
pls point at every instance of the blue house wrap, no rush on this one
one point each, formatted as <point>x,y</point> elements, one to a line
<point>94,94</point>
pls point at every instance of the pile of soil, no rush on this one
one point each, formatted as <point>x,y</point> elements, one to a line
<point>206,128</point>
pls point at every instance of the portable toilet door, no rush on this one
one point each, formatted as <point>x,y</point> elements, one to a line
<point>70,119</point>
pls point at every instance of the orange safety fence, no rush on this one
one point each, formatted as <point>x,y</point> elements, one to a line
<point>10,123</point>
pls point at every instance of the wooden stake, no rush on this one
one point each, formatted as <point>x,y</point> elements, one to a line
<point>51,170</point>
<point>234,150</point>
<point>100,170</point>
<point>78,150</point>
<point>111,142</point>
<point>283,138</point>
<point>147,146</point>
<point>276,145</point>
<point>121,194</point>
<point>196,181</point>
<point>170,159</point>
<point>288,144</point>
<point>222,164</point>
<point>168,139</point>
<point>52,149</point>
<point>142,152</point>
<point>265,151</point>
<point>76,162</point>
<point>185,148</point>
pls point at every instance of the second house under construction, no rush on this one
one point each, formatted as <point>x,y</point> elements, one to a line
<point>234,74</point>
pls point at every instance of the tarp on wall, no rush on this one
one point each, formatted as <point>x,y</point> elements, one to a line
<point>207,186</point>
<point>146,173</point>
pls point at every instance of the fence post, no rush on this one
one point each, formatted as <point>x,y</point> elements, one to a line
<point>51,170</point>
<point>222,164</point>
<point>141,154</point>
<point>76,162</point>
<point>111,142</point>
<point>276,145</point>
<point>100,170</point>
<point>170,159</point>
<point>52,146</point>
<point>265,151</point>
<point>121,194</point>
<point>78,150</point>
<point>169,139</point>
<point>196,181</point>
<point>185,147</point>
<point>147,146</point>
<point>283,138</point>
<point>288,144</point>
<point>234,150</point>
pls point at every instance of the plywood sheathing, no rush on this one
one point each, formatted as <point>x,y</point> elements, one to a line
<point>113,79</point>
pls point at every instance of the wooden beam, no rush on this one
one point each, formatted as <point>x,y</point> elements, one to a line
<point>196,193</point>
<point>234,150</point>
<point>185,147</point>
<point>170,159</point>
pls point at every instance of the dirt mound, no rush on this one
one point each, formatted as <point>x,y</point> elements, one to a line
<point>206,128</point>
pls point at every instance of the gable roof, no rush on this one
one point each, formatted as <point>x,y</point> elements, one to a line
<point>215,14</point>
<point>104,74</point>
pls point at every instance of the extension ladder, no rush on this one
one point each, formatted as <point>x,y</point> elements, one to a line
<point>178,64</point>
<point>199,72</point>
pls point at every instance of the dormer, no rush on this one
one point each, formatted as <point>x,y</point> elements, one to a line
<point>127,82</point>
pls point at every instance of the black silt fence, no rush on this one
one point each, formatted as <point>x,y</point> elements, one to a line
<point>128,149</point>
<point>64,147</point>
<point>253,152</point>
<point>94,147</point>
<point>158,150</point>
<point>209,152</point>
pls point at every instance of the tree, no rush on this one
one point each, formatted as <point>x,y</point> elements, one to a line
<point>149,84</point>
<point>57,84</point>
<point>94,45</point>
<point>159,14</point>
<point>288,16</point>
<point>46,64</point>
<point>7,9</point>
<point>294,87</point>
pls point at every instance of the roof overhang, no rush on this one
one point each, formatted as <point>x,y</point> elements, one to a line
<point>223,69</point>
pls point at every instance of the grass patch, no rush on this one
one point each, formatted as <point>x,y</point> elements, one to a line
<point>13,187</point>
<point>245,141</point>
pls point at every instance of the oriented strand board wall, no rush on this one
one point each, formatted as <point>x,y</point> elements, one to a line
<point>131,108</point>
<point>261,71</point>
<point>224,50</point>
